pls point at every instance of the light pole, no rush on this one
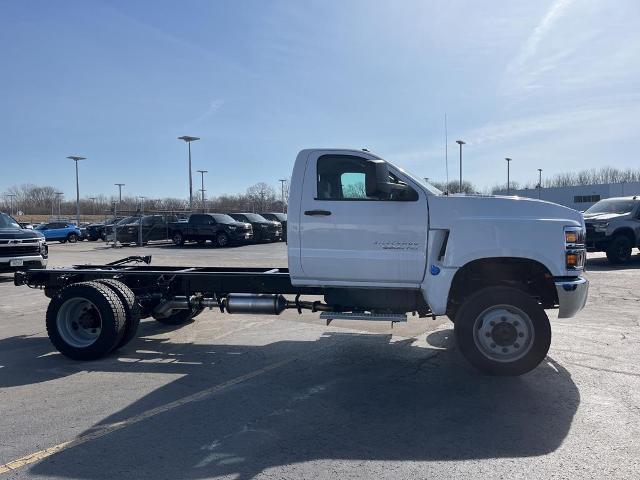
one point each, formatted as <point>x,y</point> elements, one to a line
<point>76,159</point>
<point>115,225</point>
<point>120,185</point>
<point>140,223</point>
<point>539,183</point>
<point>11,197</point>
<point>202,190</point>
<point>59,197</point>
<point>508,180</point>
<point>189,139</point>
<point>282,180</point>
<point>460,142</point>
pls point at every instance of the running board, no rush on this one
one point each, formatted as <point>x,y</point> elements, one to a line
<point>378,317</point>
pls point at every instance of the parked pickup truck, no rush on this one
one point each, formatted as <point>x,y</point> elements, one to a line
<point>375,243</point>
<point>219,228</point>
<point>263,230</point>
<point>613,226</point>
<point>20,248</point>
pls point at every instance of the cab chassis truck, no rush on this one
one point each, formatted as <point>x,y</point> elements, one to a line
<point>375,243</point>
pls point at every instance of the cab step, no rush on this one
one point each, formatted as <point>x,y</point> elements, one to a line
<point>376,317</point>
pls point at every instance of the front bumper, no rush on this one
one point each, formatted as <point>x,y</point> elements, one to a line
<point>572,295</point>
<point>31,261</point>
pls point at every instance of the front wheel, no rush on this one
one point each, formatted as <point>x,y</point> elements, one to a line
<point>502,331</point>
<point>72,238</point>
<point>178,239</point>
<point>619,250</point>
<point>222,240</point>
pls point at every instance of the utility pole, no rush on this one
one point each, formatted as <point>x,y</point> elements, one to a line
<point>120,185</point>
<point>76,159</point>
<point>282,180</point>
<point>189,139</point>
<point>539,183</point>
<point>460,142</point>
<point>202,190</point>
<point>508,180</point>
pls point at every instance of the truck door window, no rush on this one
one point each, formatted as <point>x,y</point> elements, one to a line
<point>344,177</point>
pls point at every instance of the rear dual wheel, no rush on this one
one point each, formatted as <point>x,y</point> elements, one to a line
<point>88,320</point>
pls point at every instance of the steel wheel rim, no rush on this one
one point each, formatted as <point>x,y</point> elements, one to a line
<point>503,333</point>
<point>79,322</point>
<point>222,240</point>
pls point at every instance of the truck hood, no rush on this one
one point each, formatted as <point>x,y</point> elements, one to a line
<point>14,233</point>
<point>443,208</point>
<point>602,217</point>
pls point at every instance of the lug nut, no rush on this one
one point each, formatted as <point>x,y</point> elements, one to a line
<point>505,350</point>
<point>521,334</point>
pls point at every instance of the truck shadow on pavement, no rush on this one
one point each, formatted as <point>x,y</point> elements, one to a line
<point>342,396</point>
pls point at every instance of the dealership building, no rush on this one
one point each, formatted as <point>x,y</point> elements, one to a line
<point>579,197</point>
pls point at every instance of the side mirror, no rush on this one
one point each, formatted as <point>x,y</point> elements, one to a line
<point>378,184</point>
<point>377,179</point>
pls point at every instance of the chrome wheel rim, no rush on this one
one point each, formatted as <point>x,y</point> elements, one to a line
<point>222,240</point>
<point>79,322</point>
<point>503,333</point>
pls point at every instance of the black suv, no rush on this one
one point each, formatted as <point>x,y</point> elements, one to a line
<point>96,231</point>
<point>154,227</point>
<point>278,217</point>
<point>219,228</point>
<point>263,230</point>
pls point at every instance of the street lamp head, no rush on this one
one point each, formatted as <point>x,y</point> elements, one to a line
<point>540,170</point>
<point>188,139</point>
<point>119,184</point>
<point>508,159</point>
<point>461,142</point>
<point>76,158</point>
<point>202,171</point>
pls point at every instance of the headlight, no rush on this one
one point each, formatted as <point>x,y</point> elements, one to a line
<point>600,227</point>
<point>232,228</point>
<point>575,252</point>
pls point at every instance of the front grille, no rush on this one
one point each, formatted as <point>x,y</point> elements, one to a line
<point>19,250</point>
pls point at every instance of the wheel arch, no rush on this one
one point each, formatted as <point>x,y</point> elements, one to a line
<point>528,275</point>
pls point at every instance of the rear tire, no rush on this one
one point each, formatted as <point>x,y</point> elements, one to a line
<point>85,321</point>
<point>131,307</point>
<point>502,331</point>
<point>619,250</point>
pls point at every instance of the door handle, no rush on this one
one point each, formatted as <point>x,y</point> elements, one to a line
<point>323,213</point>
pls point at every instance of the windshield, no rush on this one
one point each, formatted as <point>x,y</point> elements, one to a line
<point>282,217</point>
<point>128,220</point>
<point>612,205</point>
<point>254,217</point>
<point>7,222</point>
<point>222,218</point>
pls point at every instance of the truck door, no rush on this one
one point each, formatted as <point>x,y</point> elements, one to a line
<point>349,236</point>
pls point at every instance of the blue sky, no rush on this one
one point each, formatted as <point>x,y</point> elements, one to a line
<point>553,84</point>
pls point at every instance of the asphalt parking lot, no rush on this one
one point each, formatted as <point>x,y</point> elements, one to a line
<point>289,397</point>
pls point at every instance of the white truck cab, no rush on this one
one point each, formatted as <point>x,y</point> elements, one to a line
<point>380,240</point>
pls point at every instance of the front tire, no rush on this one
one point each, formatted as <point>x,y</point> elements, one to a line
<point>72,238</point>
<point>619,250</point>
<point>502,331</point>
<point>85,321</point>
<point>222,240</point>
<point>178,239</point>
